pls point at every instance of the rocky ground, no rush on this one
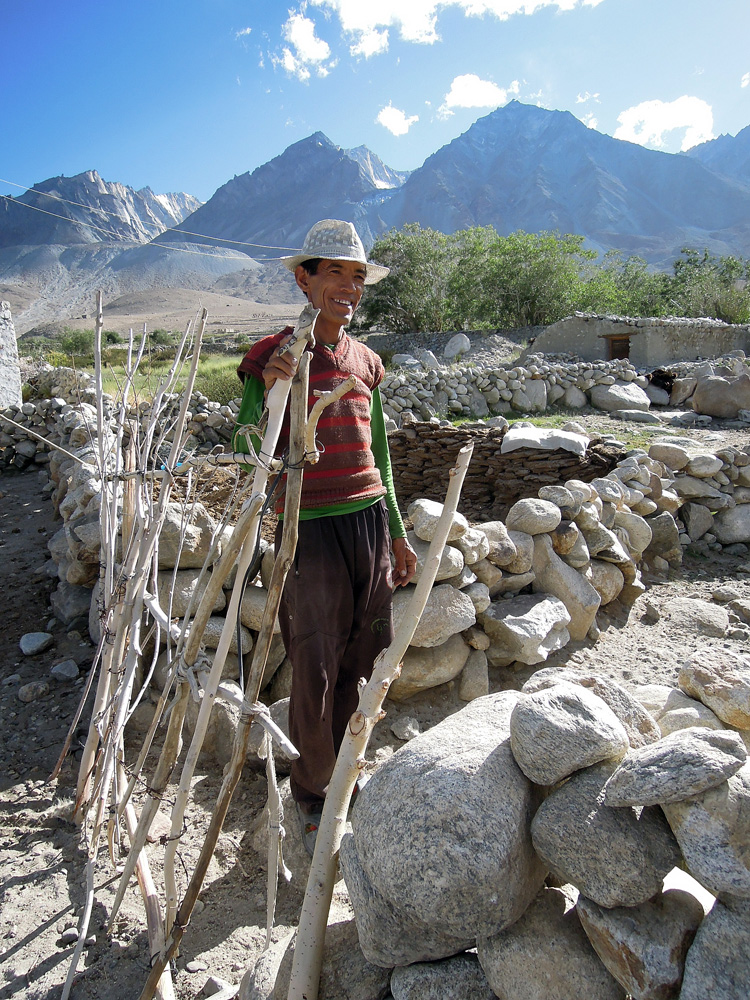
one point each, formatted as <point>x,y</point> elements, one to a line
<point>41,855</point>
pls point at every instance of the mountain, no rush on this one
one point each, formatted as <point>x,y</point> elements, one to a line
<point>69,211</point>
<point>523,167</point>
<point>520,167</point>
<point>727,155</point>
<point>273,207</point>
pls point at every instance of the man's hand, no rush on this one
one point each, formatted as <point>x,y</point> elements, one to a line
<point>279,366</point>
<point>406,562</point>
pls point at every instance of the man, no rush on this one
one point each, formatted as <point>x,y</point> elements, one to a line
<point>335,612</point>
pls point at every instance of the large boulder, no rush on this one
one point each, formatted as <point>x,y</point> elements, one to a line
<point>617,857</point>
<point>711,829</point>
<point>426,667</point>
<point>722,397</point>
<point>718,963</point>
<point>561,729</point>
<point>441,830</point>
<point>457,978</point>
<point>644,947</point>
<point>546,956</point>
<point>720,679</point>
<point>620,396</point>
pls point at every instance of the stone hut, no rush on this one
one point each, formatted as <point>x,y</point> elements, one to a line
<point>647,343</point>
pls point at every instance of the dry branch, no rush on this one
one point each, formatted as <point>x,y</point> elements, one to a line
<point>308,950</point>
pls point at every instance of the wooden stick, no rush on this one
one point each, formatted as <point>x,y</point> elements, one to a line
<point>309,945</point>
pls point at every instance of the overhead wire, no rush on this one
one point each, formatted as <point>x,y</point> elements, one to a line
<point>114,215</point>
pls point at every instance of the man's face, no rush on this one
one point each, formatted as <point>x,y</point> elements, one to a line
<point>336,290</point>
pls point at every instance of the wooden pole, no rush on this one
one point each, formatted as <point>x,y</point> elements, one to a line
<point>309,945</point>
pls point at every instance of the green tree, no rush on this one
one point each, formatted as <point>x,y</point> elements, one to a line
<point>704,285</point>
<point>414,296</point>
<point>77,342</point>
<point>623,286</point>
<point>525,279</point>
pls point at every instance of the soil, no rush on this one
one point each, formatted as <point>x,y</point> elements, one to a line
<point>41,854</point>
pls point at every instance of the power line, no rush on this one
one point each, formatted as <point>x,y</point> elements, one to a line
<point>166,246</point>
<point>114,215</point>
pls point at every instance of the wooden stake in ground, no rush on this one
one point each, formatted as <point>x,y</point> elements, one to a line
<point>308,949</point>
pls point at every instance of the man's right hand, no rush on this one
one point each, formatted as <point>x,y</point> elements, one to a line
<point>279,366</point>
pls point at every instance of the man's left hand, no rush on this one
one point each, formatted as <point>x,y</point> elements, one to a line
<point>406,562</point>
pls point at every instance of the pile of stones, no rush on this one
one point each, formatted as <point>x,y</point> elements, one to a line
<point>519,848</point>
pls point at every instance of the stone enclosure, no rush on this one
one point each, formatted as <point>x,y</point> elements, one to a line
<point>534,828</point>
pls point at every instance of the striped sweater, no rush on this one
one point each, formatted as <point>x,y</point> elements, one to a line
<point>346,471</point>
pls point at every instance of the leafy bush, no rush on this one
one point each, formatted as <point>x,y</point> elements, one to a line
<point>77,342</point>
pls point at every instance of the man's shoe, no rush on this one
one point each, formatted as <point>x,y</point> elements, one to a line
<point>309,823</point>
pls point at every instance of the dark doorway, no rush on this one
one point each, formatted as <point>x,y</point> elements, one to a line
<point>619,347</point>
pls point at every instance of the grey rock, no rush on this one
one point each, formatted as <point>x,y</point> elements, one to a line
<point>526,628</point>
<point>553,576</point>
<point>33,643</point>
<point>533,516</point>
<point>387,936</point>
<point>344,971</point>
<point>175,591</point>
<point>425,515</point>
<point>511,583</point>
<point>665,536</point>
<point>733,526</point>
<point>32,691</point>
<point>644,947</point>
<point>457,345</point>
<point>186,536</point>
<point>561,729</point>
<point>70,602</point>
<point>718,963</point>
<point>711,829</point>
<point>457,978</point>
<point>418,814</point>
<point>479,595</point>
<point>502,550</point>
<point>405,728</point>
<point>639,724</point>
<point>473,544</point>
<point>65,670</point>
<point>474,681</point>
<point>616,857</point>
<point>683,764</point>
<point>252,608</point>
<point>426,667</point>
<point>620,396</point>
<point>451,560</point>
<point>703,618</point>
<point>446,612</point>
<point>697,520</point>
<point>546,955</point>
<point>524,556</point>
<point>607,580</point>
<point>720,679</point>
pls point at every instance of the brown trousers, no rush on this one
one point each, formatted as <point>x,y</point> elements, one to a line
<point>335,618</point>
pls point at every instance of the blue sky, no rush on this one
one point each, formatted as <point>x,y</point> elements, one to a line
<point>181,96</point>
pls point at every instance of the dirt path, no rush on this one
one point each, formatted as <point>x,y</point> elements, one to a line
<point>41,859</point>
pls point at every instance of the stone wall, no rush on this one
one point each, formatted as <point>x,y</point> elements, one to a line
<point>654,342</point>
<point>10,373</point>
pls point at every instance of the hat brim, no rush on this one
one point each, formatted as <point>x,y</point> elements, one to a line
<point>373,272</point>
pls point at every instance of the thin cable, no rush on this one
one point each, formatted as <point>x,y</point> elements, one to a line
<point>118,238</point>
<point>114,215</point>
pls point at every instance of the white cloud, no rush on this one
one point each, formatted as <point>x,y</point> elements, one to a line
<point>367,21</point>
<point>242,33</point>
<point>395,120</point>
<point>470,91</point>
<point>649,122</point>
<point>583,98</point>
<point>306,52</point>
<point>745,81</point>
<point>590,121</point>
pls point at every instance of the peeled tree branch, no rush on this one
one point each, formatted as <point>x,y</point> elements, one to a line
<point>310,942</point>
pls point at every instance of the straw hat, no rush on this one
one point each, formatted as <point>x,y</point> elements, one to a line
<point>332,239</point>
